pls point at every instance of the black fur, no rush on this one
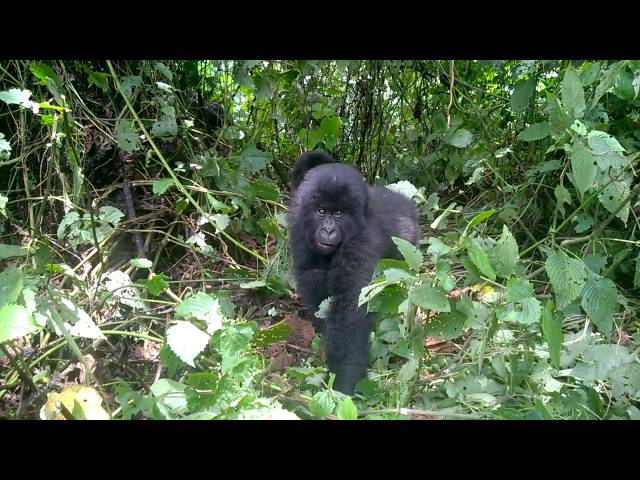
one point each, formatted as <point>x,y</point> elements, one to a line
<point>339,229</point>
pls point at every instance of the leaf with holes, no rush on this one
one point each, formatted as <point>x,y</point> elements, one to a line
<point>607,151</point>
<point>187,341</point>
<point>126,135</point>
<point>526,312</point>
<point>613,195</point>
<point>583,167</point>
<point>567,275</point>
<point>600,302</point>
<point>518,289</point>
<point>411,254</point>
<point>253,160</point>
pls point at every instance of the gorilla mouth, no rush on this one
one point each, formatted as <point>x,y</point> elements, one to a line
<point>326,246</point>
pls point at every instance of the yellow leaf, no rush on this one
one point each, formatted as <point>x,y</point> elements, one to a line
<point>87,398</point>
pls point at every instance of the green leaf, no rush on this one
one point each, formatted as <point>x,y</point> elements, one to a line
<point>411,254</point>
<point>525,312</point>
<point>8,251</point>
<point>110,214</point>
<point>437,248</point>
<point>141,263</point>
<point>275,333</point>
<point>447,325</point>
<point>573,93</point>
<point>330,127</point>
<point>460,138</point>
<point>15,95</point>
<point>636,277</point>
<point>583,167</point>
<point>522,93</point>
<point>162,68</point>
<point>11,280</point>
<point>370,291</point>
<point>537,131</point>
<point>187,341</point>
<point>430,298</point>
<point>5,153</point>
<point>613,195</point>
<point>518,289</point>
<point>69,219</point>
<point>504,254</point>
<point>166,127</point>
<point>479,218</point>
<point>347,410</point>
<point>42,72</point>
<point>160,186</point>
<point>607,80</point>
<point>443,216</point>
<point>253,160</point>
<point>567,275</point>
<point>480,259</point>
<point>100,80</point>
<point>552,329</point>
<point>408,371</point>
<point>607,151</point>
<point>443,274</point>
<point>15,322</point>
<point>404,187</point>
<point>563,196</point>
<point>202,307</point>
<point>322,404</point>
<point>156,284</point>
<point>600,302</point>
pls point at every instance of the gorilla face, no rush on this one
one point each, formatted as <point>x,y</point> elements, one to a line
<point>328,235</point>
<point>336,208</point>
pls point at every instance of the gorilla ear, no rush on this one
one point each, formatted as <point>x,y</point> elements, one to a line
<point>306,162</point>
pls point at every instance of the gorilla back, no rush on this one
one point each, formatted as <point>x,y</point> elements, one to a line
<point>339,228</point>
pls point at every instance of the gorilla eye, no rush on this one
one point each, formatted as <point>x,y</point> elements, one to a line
<point>322,211</point>
<point>338,213</point>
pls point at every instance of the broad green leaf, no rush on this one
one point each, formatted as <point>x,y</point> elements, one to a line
<point>447,325</point>
<point>156,284</point>
<point>15,322</point>
<point>430,298</point>
<point>165,127</point>
<point>187,341</point>
<point>15,96</point>
<point>170,396</point>
<point>8,251</point>
<point>162,68</point>
<point>11,280</point>
<point>126,135</point>
<point>518,289</point>
<point>606,82</point>
<point>584,167</point>
<point>346,410</point>
<point>253,160</point>
<point>110,215</point>
<point>526,312</point>
<point>161,186</point>
<point>202,307</point>
<point>408,371</point>
<point>69,219</point>
<point>275,333</point>
<point>322,404</point>
<point>443,274</point>
<point>477,314</point>
<point>552,329</point>
<point>253,284</point>
<point>330,127</point>
<point>573,93</point>
<point>504,254</point>
<point>567,275</point>
<point>370,291</point>
<point>460,138</point>
<point>480,259</point>
<point>600,302</point>
<point>411,254</point>
<point>537,131</point>
<point>589,73</point>
<point>522,93</point>
<point>612,196</point>
<point>607,151</point>
<point>437,247</point>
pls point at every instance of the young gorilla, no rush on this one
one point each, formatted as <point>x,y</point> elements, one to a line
<point>339,229</point>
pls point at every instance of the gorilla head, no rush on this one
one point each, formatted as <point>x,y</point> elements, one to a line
<point>339,229</point>
<point>334,203</point>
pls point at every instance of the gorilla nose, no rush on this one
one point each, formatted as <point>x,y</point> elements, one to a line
<point>329,236</point>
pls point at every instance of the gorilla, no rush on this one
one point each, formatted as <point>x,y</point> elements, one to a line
<point>339,227</point>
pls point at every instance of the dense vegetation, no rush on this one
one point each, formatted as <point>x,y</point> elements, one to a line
<point>144,268</point>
